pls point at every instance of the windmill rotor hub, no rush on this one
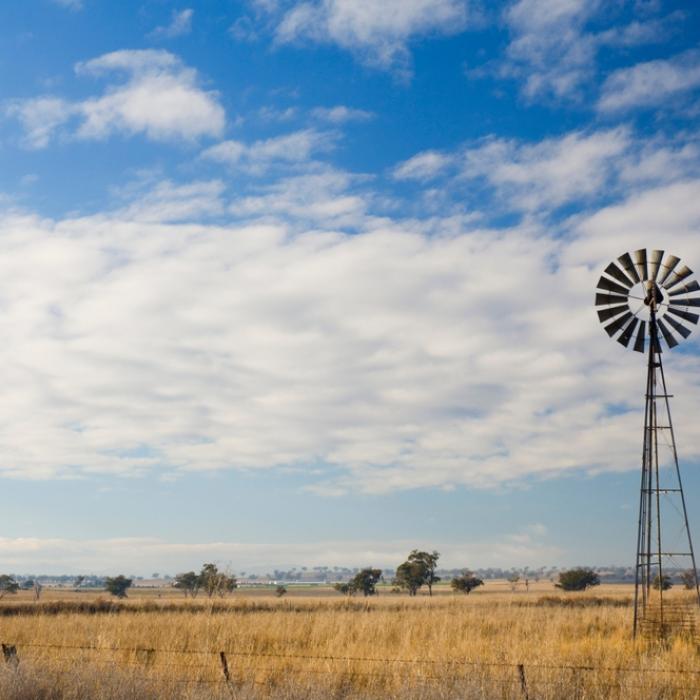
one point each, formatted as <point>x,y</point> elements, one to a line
<point>646,297</point>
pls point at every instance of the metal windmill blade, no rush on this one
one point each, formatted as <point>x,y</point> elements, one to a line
<point>647,297</point>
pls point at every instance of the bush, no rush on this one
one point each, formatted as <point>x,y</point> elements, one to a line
<point>578,579</point>
<point>466,583</point>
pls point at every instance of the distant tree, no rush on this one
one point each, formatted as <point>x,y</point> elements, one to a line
<point>118,585</point>
<point>578,579</point>
<point>34,586</point>
<point>365,581</point>
<point>688,579</point>
<point>664,583</point>
<point>410,576</point>
<point>188,582</point>
<point>78,581</point>
<point>280,591</point>
<point>345,588</point>
<point>428,562</point>
<point>155,575</point>
<point>513,581</point>
<point>7,585</point>
<point>215,582</point>
<point>466,582</point>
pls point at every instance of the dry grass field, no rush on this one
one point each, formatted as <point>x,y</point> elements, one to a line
<point>315,644</point>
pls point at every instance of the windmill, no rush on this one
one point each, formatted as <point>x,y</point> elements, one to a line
<point>645,300</point>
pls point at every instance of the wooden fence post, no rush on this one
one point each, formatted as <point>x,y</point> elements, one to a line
<point>224,666</point>
<point>9,653</point>
<point>523,682</point>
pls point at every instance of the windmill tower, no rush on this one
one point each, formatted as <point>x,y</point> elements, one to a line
<point>646,300</point>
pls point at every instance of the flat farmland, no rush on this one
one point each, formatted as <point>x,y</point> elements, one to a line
<point>313,643</point>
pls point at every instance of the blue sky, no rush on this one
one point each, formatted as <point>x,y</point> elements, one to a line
<point>299,283</point>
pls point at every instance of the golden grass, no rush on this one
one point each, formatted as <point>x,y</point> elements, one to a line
<point>570,646</point>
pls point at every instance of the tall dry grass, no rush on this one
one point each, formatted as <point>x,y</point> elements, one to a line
<point>570,646</point>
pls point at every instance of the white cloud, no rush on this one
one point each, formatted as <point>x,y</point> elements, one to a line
<point>406,354</point>
<point>538,176</point>
<point>180,24</point>
<point>379,33</point>
<point>160,99</point>
<point>553,48</point>
<point>140,555</point>
<point>423,166</point>
<point>650,84</point>
<point>257,157</point>
<point>341,114</point>
<point>549,45</point>
<point>549,173</point>
<point>321,197</point>
<point>40,117</point>
<point>170,202</point>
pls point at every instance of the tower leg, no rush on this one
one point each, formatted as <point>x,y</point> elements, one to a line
<point>653,553</point>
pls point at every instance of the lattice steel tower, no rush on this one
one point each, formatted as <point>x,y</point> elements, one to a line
<point>646,300</point>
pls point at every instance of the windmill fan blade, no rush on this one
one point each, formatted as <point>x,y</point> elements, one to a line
<point>614,271</point>
<point>626,336</point>
<point>628,266</point>
<point>685,302</point>
<point>615,326</point>
<point>686,315</point>
<point>668,267</point>
<point>640,261</point>
<point>605,314</point>
<point>607,299</point>
<point>656,256</point>
<point>684,272</point>
<point>668,337</point>
<point>688,287</point>
<point>679,327</point>
<point>641,334</point>
<point>609,286</point>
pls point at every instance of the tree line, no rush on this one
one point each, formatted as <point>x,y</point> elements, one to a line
<point>417,571</point>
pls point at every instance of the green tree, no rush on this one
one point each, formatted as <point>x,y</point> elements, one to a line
<point>466,582</point>
<point>578,579</point>
<point>688,579</point>
<point>188,582</point>
<point>78,581</point>
<point>664,583</point>
<point>345,588</point>
<point>280,591</point>
<point>418,570</point>
<point>7,585</point>
<point>215,582</point>
<point>428,562</point>
<point>410,576</point>
<point>118,585</point>
<point>366,581</point>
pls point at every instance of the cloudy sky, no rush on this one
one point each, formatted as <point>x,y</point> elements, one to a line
<point>310,282</point>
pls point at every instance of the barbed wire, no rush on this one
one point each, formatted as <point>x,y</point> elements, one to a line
<point>361,659</point>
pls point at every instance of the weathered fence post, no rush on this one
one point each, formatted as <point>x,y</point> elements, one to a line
<point>9,653</point>
<point>523,681</point>
<point>224,666</point>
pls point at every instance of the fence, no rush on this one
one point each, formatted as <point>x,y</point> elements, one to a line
<point>523,678</point>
